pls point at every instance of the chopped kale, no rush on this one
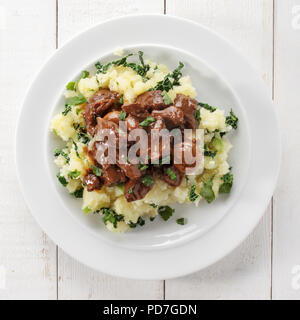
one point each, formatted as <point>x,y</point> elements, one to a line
<point>180,221</point>
<point>140,222</point>
<point>83,137</point>
<point>76,149</point>
<point>165,212</point>
<point>111,216</point>
<point>122,115</point>
<point>84,74</point>
<point>74,174</point>
<point>166,97</point>
<point>207,192</point>
<point>78,193</point>
<point>147,121</point>
<point>232,120</point>
<point>62,180</point>
<point>166,84</point>
<point>147,180</point>
<point>171,174</point>
<point>143,166</point>
<point>68,108</point>
<point>227,183</point>
<point>58,152</point>
<point>96,171</point>
<point>79,99</point>
<point>192,193</point>
<point>198,115</point>
<point>86,210</point>
<point>71,85</point>
<point>208,152</point>
<point>207,106</point>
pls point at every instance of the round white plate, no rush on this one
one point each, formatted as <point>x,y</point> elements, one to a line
<point>161,249</point>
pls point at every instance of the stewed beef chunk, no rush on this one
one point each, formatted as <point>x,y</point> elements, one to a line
<point>131,171</point>
<point>172,116</point>
<point>92,182</point>
<point>151,100</point>
<point>135,190</point>
<point>136,110</point>
<point>112,175</point>
<point>132,123</point>
<point>185,155</point>
<point>99,104</point>
<point>172,176</point>
<point>113,116</point>
<point>189,108</point>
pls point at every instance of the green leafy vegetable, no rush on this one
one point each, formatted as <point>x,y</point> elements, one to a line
<point>140,222</point>
<point>165,212</point>
<point>143,166</point>
<point>129,191</point>
<point>76,149</point>
<point>74,174</point>
<point>140,69</point>
<point>192,193</point>
<point>176,74</point>
<point>86,210</point>
<point>207,192</point>
<point>58,152</point>
<point>208,152</point>
<point>62,180</point>
<point>71,85</point>
<point>121,101</point>
<point>153,205</point>
<point>227,184</point>
<point>217,144</point>
<point>147,121</point>
<point>198,115</point>
<point>171,174</point>
<point>123,115</point>
<point>232,120</point>
<point>80,99</point>
<point>83,137</point>
<point>180,221</point>
<point>147,180</point>
<point>96,171</point>
<point>111,216</point>
<point>166,97</point>
<point>68,108</point>
<point>152,219</point>
<point>84,74</point>
<point>207,106</point>
<point>166,84</point>
<point>103,68</point>
<point>78,193</point>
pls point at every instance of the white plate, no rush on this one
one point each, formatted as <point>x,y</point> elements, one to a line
<point>159,250</point>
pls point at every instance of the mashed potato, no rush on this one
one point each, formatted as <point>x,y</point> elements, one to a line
<point>72,161</point>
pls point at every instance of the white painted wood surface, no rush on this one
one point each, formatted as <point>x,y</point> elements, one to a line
<point>286,262</point>
<point>35,268</point>
<point>25,251</point>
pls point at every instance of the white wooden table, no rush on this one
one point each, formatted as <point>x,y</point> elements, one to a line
<point>266,265</point>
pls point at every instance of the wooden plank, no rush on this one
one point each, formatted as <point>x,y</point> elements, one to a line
<point>245,273</point>
<point>286,266</point>
<point>75,280</point>
<point>27,256</point>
